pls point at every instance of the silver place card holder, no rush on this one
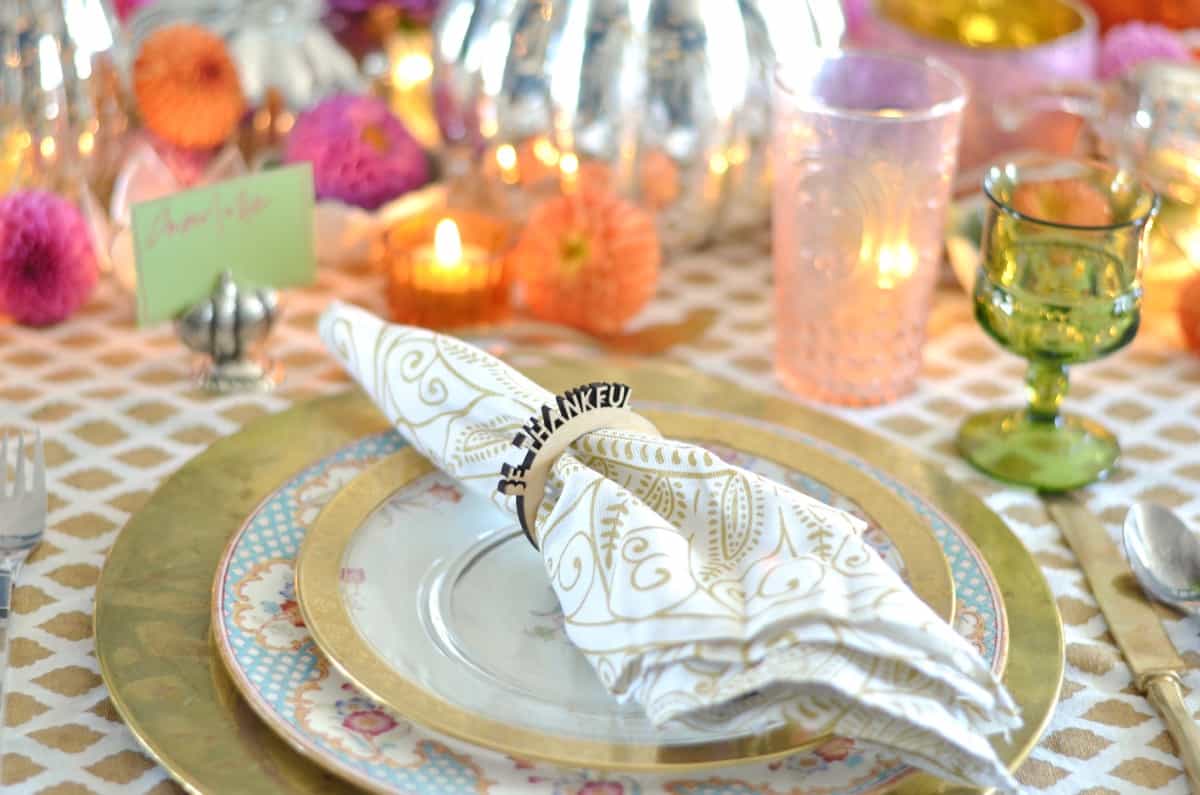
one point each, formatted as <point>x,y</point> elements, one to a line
<point>227,329</point>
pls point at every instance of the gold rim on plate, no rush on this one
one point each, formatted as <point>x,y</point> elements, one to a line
<point>153,600</point>
<point>332,627</point>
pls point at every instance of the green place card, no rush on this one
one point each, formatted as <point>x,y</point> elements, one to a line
<point>259,226</point>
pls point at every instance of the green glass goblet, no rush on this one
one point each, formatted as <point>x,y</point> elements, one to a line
<point>1059,284</point>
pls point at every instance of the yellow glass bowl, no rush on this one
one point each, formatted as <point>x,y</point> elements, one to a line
<point>1003,48</point>
<point>1003,24</point>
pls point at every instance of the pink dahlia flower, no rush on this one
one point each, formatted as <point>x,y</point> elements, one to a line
<point>1127,45</point>
<point>127,8</point>
<point>856,12</point>
<point>361,153</point>
<point>416,10</point>
<point>47,266</point>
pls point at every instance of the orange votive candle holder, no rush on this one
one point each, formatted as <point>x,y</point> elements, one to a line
<point>446,269</point>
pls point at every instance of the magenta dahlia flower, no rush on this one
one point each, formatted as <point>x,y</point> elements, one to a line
<point>47,265</point>
<point>416,10</point>
<point>1127,45</point>
<point>127,8</point>
<point>361,153</point>
<point>856,12</point>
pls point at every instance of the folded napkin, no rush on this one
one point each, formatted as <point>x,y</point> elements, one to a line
<point>705,593</point>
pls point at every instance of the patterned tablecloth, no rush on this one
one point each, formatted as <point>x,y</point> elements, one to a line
<point>120,416</point>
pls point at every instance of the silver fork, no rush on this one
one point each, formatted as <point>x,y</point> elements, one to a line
<point>22,525</point>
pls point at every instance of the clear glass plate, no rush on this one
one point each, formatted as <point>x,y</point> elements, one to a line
<point>432,601</point>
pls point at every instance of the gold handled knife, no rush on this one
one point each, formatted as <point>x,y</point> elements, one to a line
<point>1132,621</point>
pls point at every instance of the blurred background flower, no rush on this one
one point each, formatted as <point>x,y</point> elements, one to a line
<point>47,266</point>
<point>414,10</point>
<point>1127,45</point>
<point>187,87</point>
<point>127,8</point>
<point>362,155</point>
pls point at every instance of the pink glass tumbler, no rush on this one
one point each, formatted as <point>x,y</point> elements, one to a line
<point>863,155</point>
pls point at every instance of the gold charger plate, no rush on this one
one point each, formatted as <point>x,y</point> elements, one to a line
<point>153,600</point>
<point>323,554</point>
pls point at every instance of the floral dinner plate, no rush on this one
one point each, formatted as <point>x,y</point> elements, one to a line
<point>430,606</point>
<point>263,638</point>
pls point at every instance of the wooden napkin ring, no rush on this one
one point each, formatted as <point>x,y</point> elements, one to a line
<point>545,436</point>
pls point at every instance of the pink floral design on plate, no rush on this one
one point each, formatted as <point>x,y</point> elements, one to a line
<point>331,708</point>
<point>266,607</point>
<point>547,625</point>
<point>836,750</point>
<point>824,771</point>
<point>314,493</point>
<point>447,492</point>
<point>370,722</point>
<point>584,782</point>
<point>263,629</point>
<point>440,491</point>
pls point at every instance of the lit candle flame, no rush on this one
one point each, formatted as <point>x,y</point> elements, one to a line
<point>546,152</point>
<point>411,69</point>
<point>447,244</point>
<point>569,166</point>
<point>506,158</point>
<point>897,263</point>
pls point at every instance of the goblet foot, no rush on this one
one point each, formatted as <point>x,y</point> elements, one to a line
<point>1050,455</point>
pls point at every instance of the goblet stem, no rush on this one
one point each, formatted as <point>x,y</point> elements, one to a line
<point>1045,387</point>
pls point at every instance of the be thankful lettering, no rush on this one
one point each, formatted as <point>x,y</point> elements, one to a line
<point>539,428</point>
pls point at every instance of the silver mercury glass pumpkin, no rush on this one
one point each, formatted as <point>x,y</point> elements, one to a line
<point>62,101</point>
<point>276,44</point>
<point>632,83</point>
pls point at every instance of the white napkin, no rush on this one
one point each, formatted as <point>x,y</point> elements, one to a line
<point>707,594</point>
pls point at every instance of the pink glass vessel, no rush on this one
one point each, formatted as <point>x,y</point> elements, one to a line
<point>1003,49</point>
<point>863,151</point>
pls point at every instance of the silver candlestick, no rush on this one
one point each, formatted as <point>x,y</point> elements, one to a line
<point>225,327</point>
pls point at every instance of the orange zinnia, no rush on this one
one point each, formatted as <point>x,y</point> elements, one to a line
<point>187,87</point>
<point>588,260</point>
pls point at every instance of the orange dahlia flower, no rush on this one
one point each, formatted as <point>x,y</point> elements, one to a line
<point>588,260</point>
<point>187,87</point>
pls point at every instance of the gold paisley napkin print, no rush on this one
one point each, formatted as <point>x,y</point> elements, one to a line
<point>703,592</point>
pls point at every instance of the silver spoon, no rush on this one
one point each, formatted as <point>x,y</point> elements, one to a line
<point>1164,554</point>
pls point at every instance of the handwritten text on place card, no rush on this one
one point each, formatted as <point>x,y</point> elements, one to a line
<point>242,208</point>
<point>259,226</point>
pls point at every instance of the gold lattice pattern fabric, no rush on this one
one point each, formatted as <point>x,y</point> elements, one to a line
<point>120,415</point>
